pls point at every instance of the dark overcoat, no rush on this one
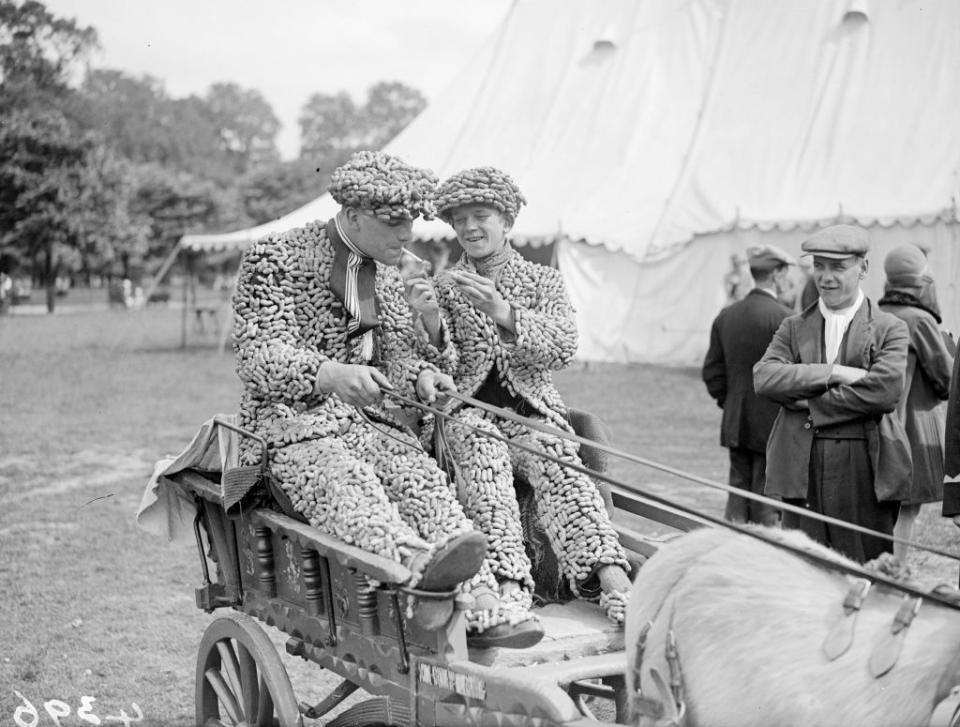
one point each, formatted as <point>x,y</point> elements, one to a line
<point>927,385</point>
<point>951,447</point>
<point>738,338</point>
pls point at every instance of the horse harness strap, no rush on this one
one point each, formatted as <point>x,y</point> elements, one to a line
<point>886,652</point>
<point>840,637</point>
<point>670,709</point>
<point>947,712</point>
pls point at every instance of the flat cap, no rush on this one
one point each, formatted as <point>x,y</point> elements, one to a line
<point>838,241</point>
<point>768,257</point>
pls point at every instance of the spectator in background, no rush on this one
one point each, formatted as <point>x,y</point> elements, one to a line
<point>737,282</point>
<point>6,291</point>
<point>951,449</point>
<point>909,294</point>
<point>739,336</point>
<point>792,288</point>
<point>837,371</point>
<point>808,294</point>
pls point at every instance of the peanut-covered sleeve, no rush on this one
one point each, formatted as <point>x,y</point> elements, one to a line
<point>444,355</point>
<point>403,357</point>
<point>272,358</point>
<point>546,332</point>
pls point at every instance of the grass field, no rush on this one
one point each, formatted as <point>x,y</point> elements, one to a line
<point>95,608</point>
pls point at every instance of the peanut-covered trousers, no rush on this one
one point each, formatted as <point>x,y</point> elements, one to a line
<point>376,491</point>
<point>569,506</point>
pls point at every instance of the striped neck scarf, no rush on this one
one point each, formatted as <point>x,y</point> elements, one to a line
<point>352,281</point>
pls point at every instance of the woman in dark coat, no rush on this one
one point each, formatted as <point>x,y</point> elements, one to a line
<point>910,295</point>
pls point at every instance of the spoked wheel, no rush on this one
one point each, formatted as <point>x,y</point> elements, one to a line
<point>241,681</point>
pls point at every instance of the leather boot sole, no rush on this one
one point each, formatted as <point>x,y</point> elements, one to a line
<point>455,561</point>
<point>508,636</point>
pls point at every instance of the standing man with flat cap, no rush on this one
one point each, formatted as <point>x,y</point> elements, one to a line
<point>837,370</point>
<point>738,337</point>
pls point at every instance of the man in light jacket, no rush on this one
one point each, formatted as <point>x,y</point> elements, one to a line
<point>837,370</point>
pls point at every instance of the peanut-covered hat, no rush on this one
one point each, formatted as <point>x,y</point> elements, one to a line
<point>384,185</point>
<point>480,185</point>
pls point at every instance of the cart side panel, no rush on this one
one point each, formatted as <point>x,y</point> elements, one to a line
<point>223,546</point>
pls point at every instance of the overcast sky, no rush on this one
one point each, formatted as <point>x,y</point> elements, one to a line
<point>288,49</point>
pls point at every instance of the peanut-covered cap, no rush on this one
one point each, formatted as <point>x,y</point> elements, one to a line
<point>385,185</point>
<point>480,185</point>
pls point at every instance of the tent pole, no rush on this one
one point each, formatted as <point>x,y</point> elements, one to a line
<point>183,312</point>
<point>161,272</point>
<point>227,328</point>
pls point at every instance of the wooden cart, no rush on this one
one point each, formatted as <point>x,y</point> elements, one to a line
<point>346,610</point>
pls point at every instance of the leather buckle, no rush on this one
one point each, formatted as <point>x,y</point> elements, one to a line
<point>885,654</point>
<point>840,638</point>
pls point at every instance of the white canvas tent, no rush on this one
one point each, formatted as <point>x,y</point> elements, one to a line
<point>654,138</point>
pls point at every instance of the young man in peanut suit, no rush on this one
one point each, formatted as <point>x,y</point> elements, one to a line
<point>322,328</point>
<point>511,325</point>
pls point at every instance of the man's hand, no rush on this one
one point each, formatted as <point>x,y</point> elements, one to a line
<point>353,383</point>
<point>483,295</point>
<point>420,295</point>
<point>432,385</point>
<point>840,374</point>
<point>419,292</point>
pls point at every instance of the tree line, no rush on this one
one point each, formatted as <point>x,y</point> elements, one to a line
<point>102,177</point>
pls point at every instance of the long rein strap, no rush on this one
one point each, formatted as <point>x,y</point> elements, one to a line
<point>780,505</point>
<point>848,568</point>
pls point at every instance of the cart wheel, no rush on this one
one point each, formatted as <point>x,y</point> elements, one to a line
<point>240,678</point>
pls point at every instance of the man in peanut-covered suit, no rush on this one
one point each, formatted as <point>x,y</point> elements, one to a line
<point>322,329</point>
<point>738,338</point>
<point>511,326</point>
<point>837,370</point>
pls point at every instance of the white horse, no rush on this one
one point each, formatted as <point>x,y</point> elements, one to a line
<point>724,630</point>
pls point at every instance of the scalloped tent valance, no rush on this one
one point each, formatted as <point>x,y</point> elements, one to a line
<point>643,129</point>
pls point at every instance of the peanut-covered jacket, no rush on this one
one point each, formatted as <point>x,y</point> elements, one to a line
<point>545,339</point>
<point>288,322</point>
<point>793,369</point>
